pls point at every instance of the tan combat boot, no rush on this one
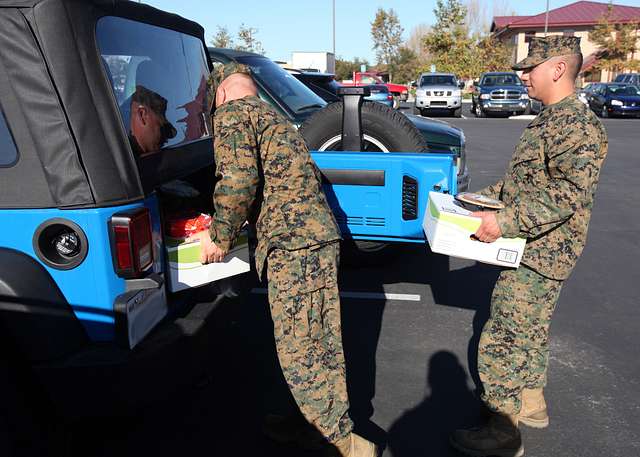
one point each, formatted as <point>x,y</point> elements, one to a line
<point>354,446</point>
<point>534,409</point>
<point>500,437</point>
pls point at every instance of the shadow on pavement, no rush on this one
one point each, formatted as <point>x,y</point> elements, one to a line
<point>223,415</point>
<point>424,430</point>
<point>468,288</point>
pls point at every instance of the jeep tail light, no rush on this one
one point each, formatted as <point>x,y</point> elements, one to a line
<point>389,97</point>
<point>132,243</point>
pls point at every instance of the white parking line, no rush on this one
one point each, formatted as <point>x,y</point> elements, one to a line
<point>523,116</point>
<point>361,295</point>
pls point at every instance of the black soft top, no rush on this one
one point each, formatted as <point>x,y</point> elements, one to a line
<point>63,116</point>
<point>124,8</point>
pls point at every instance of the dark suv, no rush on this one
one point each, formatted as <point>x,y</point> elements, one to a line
<point>500,93</point>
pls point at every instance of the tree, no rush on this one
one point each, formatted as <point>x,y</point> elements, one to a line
<point>386,32</point>
<point>476,19</point>
<point>503,8</point>
<point>490,54</point>
<point>345,68</point>
<point>617,44</point>
<point>449,43</point>
<point>416,41</point>
<point>407,66</point>
<point>248,41</point>
<point>222,39</point>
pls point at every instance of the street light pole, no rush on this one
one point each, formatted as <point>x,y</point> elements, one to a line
<point>334,28</point>
<point>546,20</point>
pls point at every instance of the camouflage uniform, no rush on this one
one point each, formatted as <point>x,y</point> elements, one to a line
<point>266,176</point>
<point>548,191</point>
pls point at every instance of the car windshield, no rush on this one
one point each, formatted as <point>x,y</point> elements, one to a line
<point>283,86</point>
<point>623,90</point>
<point>501,80</point>
<point>437,80</point>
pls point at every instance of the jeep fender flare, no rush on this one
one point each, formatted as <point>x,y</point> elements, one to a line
<point>34,314</point>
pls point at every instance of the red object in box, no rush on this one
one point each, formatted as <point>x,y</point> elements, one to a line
<point>183,226</point>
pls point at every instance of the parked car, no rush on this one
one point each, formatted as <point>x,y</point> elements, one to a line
<point>326,87</point>
<point>380,94</point>
<point>400,92</point>
<point>615,99</point>
<point>438,91</point>
<point>383,131</point>
<point>583,93</point>
<point>499,92</point>
<point>323,85</point>
<point>536,106</point>
<point>629,78</point>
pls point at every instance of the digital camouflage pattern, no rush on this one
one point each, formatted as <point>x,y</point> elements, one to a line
<point>513,352</point>
<point>266,176</point>
<point>543,48</point>
<point>548,191</point>
<point>550,184</point>
<point>305,308</point>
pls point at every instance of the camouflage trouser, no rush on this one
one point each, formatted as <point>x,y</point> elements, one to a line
<point>305,308</point>
<point>513,351</point>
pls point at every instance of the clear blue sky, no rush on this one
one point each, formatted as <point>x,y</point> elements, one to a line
<point>289,25</point>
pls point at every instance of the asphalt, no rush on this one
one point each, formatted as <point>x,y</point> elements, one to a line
<point>411,362</point>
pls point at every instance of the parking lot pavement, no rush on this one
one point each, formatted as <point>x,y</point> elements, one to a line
<point>410,361</point>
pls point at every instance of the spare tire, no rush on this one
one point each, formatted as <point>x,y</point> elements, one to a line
<point>383,130</point>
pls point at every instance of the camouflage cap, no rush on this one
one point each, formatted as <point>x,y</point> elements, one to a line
<point>222,72</point>
<point>158,104</point>
<point>542,49</point>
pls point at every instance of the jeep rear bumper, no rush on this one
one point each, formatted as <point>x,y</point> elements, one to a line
<point>105,378</point>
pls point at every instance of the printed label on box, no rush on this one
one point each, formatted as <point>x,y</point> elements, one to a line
<point>507,255</point>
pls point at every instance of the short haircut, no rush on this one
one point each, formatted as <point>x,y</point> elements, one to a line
<point>574,64</point>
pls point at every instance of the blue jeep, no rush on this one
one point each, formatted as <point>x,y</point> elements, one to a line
<point>104,131</point>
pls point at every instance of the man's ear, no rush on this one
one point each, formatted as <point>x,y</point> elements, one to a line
<point>221,95</point>
<point>141,114</point>
<point>559,70</point>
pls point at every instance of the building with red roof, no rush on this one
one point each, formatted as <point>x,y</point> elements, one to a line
<point>576,19</point>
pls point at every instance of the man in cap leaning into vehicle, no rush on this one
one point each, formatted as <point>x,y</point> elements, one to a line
<point>548,191</point>
<point>266,176</point>
<point>149,127</point>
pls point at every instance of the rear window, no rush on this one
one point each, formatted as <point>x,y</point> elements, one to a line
<point>159,78</point>
<point>8,151</point>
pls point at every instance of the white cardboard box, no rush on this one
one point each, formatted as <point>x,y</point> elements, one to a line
<point>186,270</point>
<point>448,227</point>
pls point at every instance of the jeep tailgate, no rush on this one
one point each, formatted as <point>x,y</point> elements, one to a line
<point>383,196</point>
